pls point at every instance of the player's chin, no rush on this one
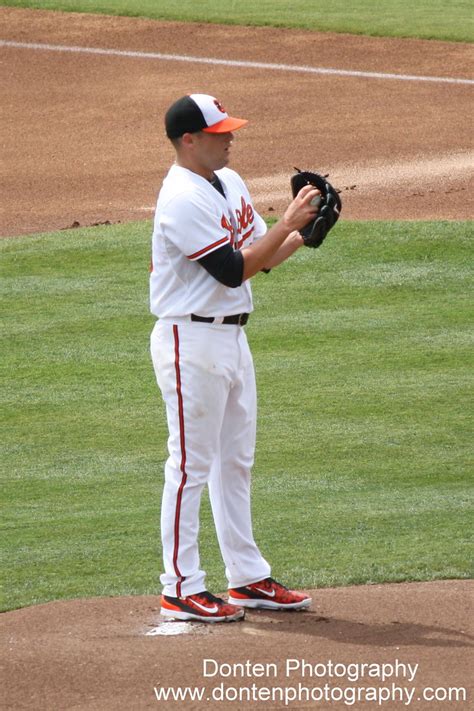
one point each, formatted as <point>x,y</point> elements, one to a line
<point>218,164</point>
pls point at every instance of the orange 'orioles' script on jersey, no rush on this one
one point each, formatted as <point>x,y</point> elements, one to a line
<point>244,218</point>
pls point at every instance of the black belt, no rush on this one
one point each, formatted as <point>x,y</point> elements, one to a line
<point>237,319</point>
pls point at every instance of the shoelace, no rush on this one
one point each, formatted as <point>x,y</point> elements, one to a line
<point>269,582</point>
<point>207,596</point>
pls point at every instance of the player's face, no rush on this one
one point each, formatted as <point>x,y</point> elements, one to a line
<point>212,150</point>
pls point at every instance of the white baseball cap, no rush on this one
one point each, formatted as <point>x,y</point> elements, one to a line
<point>199,112</point>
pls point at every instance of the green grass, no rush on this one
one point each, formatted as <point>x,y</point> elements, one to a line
<point>429,19</point>
<point>362,355</point>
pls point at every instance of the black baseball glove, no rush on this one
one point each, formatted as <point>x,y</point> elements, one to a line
<point>314,233</point>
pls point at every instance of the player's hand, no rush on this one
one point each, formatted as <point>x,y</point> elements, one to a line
<point>301,210</point>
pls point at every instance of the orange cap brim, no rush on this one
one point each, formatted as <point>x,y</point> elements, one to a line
<point>226,125</point>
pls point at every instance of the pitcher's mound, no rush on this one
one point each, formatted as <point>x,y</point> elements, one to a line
<point>413,642</point>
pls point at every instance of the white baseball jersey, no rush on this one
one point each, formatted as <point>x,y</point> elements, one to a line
<point>192,220</point>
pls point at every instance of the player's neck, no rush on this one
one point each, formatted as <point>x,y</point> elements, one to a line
<point>195,167</point>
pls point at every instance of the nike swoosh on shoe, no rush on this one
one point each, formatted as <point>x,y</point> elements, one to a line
<point>210,610</point>
<point>265,592</point>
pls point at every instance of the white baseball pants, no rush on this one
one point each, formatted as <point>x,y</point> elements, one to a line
<point>206,376</point>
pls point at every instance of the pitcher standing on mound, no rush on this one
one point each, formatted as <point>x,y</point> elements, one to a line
<point>208,241</point>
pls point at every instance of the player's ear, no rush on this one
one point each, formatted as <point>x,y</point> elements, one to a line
<point>187,139</point>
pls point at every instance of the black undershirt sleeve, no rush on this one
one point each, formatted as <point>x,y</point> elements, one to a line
<point>225,264</point>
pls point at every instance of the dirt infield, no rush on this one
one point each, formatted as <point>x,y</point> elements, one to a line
<point>84,139</point>
<point>84,144</point>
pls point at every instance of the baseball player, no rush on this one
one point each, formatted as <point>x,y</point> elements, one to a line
<point>208,241</point>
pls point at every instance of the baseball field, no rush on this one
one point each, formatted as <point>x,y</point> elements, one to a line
<point>362,487</point>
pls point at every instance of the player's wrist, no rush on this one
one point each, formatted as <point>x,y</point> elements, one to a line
<point>295,239</point>
<point>287,224</point>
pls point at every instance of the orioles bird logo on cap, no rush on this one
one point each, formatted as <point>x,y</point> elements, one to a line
<point>220,107</point>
